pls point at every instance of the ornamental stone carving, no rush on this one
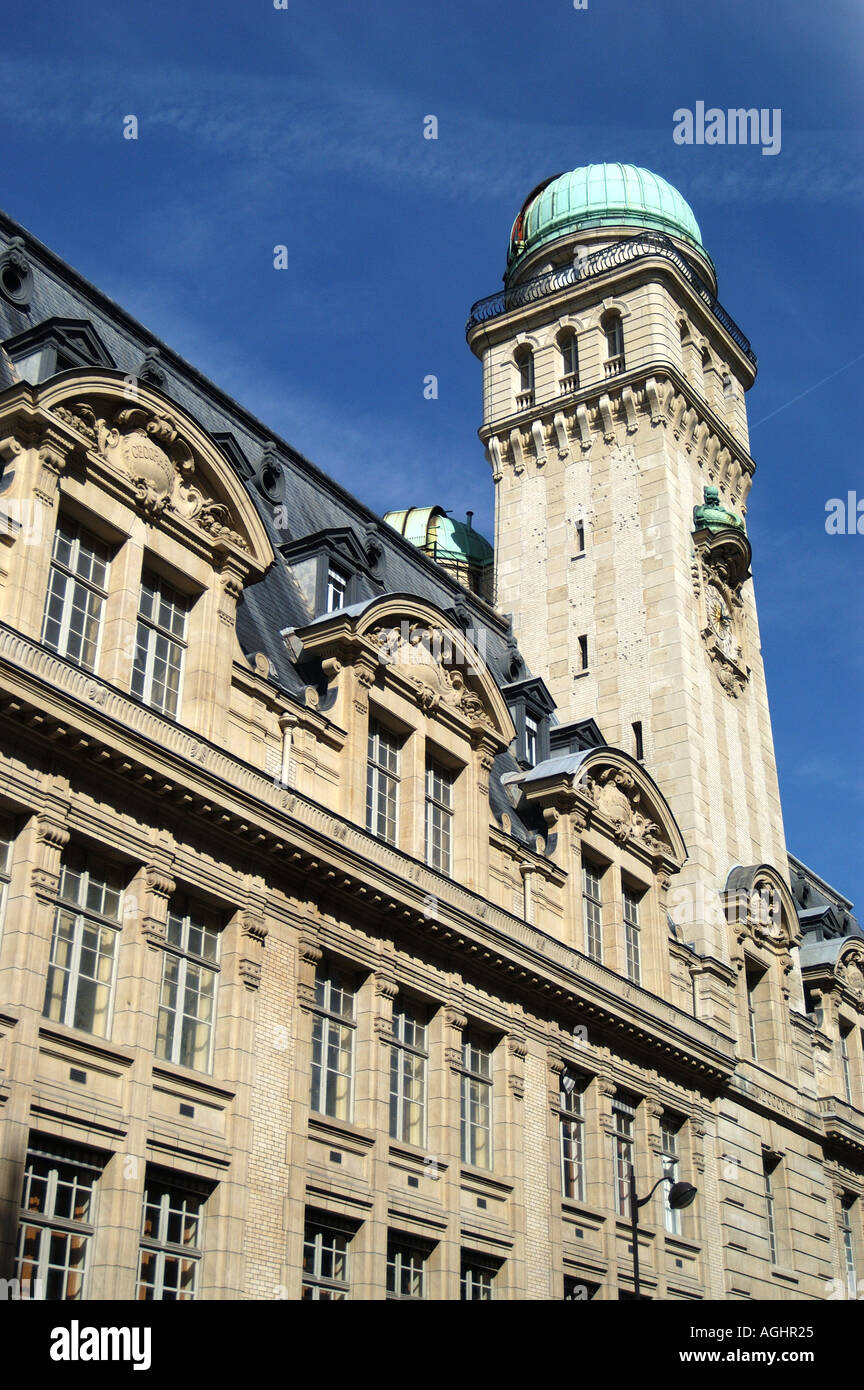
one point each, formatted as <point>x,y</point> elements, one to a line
<point>146,446</point>
<point>427,658</point>
<point>617,797</point>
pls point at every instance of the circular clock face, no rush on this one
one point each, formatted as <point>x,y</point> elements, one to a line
<point>720,620</point>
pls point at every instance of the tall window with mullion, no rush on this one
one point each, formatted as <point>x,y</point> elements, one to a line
<point>382,783</point>
<point>848,1205</point>
<point>325,1260</point>
<point>670,1127</point>
<point>572,1126</point>
<point>632,945</point>
<point>439,816</point>
<point>592,904</point>
<point>56,1218</point>
<point>160,644</point>
<point>408,1060</point>
<point>169,1258</point>
<point>476,1100</point>
<point>190,970</point>
<point>77,590</point>
<point>477,1280</point>
<point>87,919</point>
<point>623,1147</point>
<point>406,1267</point>
<point>333,1032</point>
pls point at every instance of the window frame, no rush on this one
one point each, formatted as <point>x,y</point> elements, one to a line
<point>442,860</point>
<point>471,1265</point>
<point>327,980</point>
<point>315,1286</point>
<point>160,1246</point>
<point>83,919</point>
<point>154,630</point>
<point>381,778</point>
<point>73,583</point>
<point>476,1089</point>
<point>591,926</point>
<point>631,899</point>
<point>571,1135</point>
<point>400,1050</point>
<point>185,957</point>
<point>625,1108</point>
<point>417,1251</point>
<point>57,1156</point>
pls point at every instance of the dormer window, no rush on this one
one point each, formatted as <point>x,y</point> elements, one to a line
<point>337,589</point>
<point>530,706</point>
<point>56,345</point>
<point>332,569</point>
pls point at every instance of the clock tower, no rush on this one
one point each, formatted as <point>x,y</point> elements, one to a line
<point>615,424</point>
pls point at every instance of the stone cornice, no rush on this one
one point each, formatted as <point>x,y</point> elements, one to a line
<point>613,410</point>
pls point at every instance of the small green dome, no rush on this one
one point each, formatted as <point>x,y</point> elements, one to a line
<point>436,533</point>
<point>601,195</point>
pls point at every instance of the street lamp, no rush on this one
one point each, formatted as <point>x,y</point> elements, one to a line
<point>681,1194</point>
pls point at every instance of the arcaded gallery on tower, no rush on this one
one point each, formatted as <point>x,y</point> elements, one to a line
<point>374,897</point>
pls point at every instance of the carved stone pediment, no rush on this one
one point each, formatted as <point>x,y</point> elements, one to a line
<point>426,657</point>
<point>147,446</point>
<point>617,797</point>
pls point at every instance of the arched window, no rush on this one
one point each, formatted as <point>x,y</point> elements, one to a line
<point>569,350</point>
<point>525,366</point>
<point>614,344</point>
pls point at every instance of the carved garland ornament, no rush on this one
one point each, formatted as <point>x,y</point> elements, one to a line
<point>147,446</point>
<point>616,795</point>
<point>421,655</point>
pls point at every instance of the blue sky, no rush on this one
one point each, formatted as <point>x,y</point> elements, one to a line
<point>303,127</point>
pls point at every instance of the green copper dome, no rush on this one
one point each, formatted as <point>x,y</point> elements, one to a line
<point>601,195</point>
<point>432,530</point>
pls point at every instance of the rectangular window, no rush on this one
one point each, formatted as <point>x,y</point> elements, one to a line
<point>580,537</point>
<point>406,1268</point>
<point>752,980</point>
<point>847,1206</point>
<point>768,1170</point>
<point>325,1260</point>
<point>638,744</point>
<point>408,1061</point>
<point>169,1258</point>
<point>382,783</point>
<point>623,1142</point>
<point>845,1066</point>
<point>160,644</point>
<point>77,589</point>
<point>190,968</point>
<point>56,1218</point>
<point>633,951</point>
<point>478,1279</point>
<point>333,1046</point>
<point>337,589</point>
<point>439,816</point>
<point>669,1127</point>
<point>592,902</point>
<point>87,919</point>
<point>572,1138</point>
<point>583,652</point>
<point>476,1100</point>
<point>531,736</point>
<point>7,839</point>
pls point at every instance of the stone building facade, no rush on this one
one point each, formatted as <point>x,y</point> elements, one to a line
<point>358,932</point>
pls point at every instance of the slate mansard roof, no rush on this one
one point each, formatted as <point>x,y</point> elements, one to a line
<point>314,504</point>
